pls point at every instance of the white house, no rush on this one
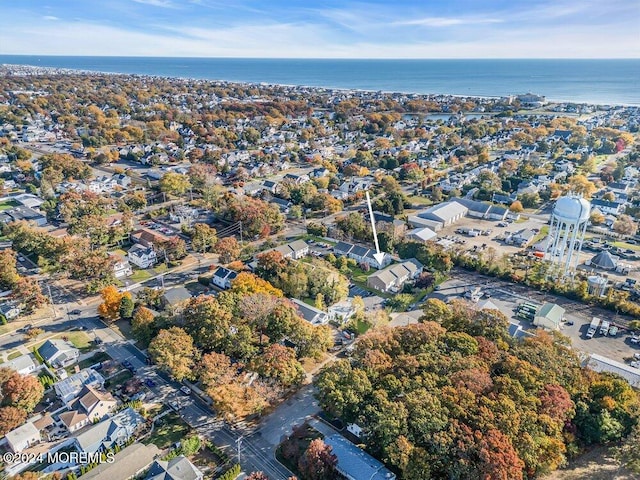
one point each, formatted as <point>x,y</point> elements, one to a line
<point>142,257</point>
<point>361,254</point>
<point>294,250</point>
<point>222,277</point>
<point>58,353</point>
<point>121,266</point>
<point>24,364</point>
<point>23,437</point>
<point>311,314</point>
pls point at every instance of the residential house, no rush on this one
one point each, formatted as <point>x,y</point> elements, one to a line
<point>142,256</point>
<point>24,364</point>
<point>178,468</point>
<point>58,353</point>
<point>297,179</point>
<point>128,463</point>
<point>121,266</point>
<point>148,237</point>
<point>270,186</point>
<point>387,223</point>
<point>175,297</point>
<point>361,254</point>
<point>116,430</point>
<point>342,311</point>
<point>223,277</point>
<point>23,437</point>
<point>311,314</point>
<point>283,205</point>
<point>92,404</point>
<point>354,463</point>
<point>607,207</point>
<point>23,213</point>
<point>293,250</point>
<point>392,278</point>
<point>10,310</point>
<point>69,388</point>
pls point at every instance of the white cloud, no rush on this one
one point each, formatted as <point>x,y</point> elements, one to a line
<point>448,21</point>
<point>50,17</point>
<point>157,3</point>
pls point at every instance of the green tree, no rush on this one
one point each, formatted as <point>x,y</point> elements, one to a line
<point>174,183</point>
<point>126,307</point>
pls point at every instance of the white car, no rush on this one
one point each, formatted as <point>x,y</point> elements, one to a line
<point>635,339</point>
<point>186,390</point>
<point>635,364</point>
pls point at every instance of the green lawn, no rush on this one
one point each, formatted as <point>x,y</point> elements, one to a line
<point>315,239</point>
<point>139,276</point>
<point>80,340</point>
<point>7,204</point>
<point>362,327</point>
<point>543,233</point>
<point>418,200</point>
<point>160,268</point>
<point>168,430</point>
<point>98,357</point>
<point>13,355</point>
<point>119,379</point>
<point>635,248</point>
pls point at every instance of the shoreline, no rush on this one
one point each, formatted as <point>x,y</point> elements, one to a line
<point>44,70</point>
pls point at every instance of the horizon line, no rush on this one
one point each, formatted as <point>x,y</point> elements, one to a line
<point>317,58</point>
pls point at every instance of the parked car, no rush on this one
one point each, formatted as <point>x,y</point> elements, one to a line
<point>186,390</point>
<point>635,364</point>
<point>635,339</point>
<point>174,405</point>
<point>149,383</point>
<point>75,312</point>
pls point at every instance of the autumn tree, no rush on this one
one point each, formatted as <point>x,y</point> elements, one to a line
<point>228,248</point>
<point>142,325</point>
<point>22,391</point>
<point>173,350</point>
<point>10,418</point>
<point>109,309</point>
<point>625,225</point>
<point>203,237</point>
<point>279,363</point>
<point>581,185</point>
<point>516,207</point>
<point>174,183</point>
<point>207,322</point>
<point>318,462</point>
<point>8,272</point>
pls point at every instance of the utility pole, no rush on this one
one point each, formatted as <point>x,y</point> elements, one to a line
<point>240,232</point>
<point>53,305</point>
<point>238,443</point>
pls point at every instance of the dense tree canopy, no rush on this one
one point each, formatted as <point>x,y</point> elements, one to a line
<point>454,395</point>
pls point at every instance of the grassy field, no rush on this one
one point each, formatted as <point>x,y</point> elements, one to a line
<point>98,357</point>
<point>362,327</point>
<point>169,430</point>
<point>635,248</point>
<point>13,355</point>
<point>417,200</point>
<point>544,231</point>
<point>139,276</point>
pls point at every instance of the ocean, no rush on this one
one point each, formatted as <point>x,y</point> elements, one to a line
<point>613,82</point>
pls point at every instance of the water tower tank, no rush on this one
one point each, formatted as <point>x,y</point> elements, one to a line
<point>572,209</point>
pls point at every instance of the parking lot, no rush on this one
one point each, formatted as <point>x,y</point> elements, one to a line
<point>507,296</point>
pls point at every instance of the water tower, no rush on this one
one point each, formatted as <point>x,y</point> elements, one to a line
<point>569,221</point>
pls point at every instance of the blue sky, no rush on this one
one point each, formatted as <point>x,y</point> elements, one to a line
<point>326,29</point>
